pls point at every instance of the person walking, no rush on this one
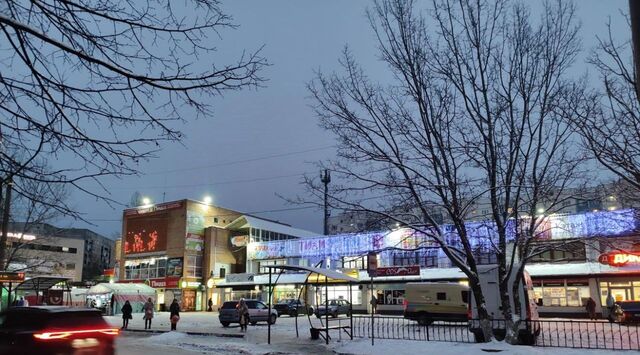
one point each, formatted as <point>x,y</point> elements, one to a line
<point>148,313</point>
<point>210,304</point>
<point>243,314</point>
<point>126,314</point>
<point>610,303</point>
<point>591,308</point>
<point>174,315</point>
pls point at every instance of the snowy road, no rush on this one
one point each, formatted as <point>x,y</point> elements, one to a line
<point>284,341</point>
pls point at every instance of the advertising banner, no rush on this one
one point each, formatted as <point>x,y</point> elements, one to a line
<point>146,234</point>
<point>174,267</point>
<point>194,242</point>
<point>398,270</point>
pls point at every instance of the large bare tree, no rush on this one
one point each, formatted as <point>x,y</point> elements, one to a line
<point>475,114</point>
<point>94,86</point>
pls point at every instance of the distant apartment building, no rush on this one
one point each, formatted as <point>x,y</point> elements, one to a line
<point>42,249</point>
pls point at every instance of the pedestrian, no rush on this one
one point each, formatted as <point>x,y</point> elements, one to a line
<point>26,303</point>
<point>374,303</point>
<point>591,308</point>
<point>126,314</point>
<point>610,303</point>
<point>210,304</point>
<point>148,313</point>
<point>243,315</point>
<point>174,315</point>
<point>21,302</point>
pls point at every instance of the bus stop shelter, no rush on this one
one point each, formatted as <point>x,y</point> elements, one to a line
<point>44,284</point>
<point>318,277</point>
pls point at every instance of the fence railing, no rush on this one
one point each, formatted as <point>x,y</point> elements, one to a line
<point>548,333</point>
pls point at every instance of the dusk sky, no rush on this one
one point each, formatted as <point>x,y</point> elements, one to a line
<point>259,142</point>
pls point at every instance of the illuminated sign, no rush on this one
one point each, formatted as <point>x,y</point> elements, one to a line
<point>398,270</point>
<point>153,208</point>
<point>240,240</point>
<point>619,259</point>
<point>6,276</point>
<point>146,234</point>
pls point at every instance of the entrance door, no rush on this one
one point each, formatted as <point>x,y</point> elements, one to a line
<point>620,294</point>
<point>189,300</point>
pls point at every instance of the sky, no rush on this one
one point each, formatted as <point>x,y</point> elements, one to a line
<point>258,143</point>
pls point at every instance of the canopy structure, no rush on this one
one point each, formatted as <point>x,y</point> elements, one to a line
<point>111,296</point>
<point>315,276</point>
<point>45,283</point>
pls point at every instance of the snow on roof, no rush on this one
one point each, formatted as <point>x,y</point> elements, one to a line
<point>246,221</point>
<point>121,288</point>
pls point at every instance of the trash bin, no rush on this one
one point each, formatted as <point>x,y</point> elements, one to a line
<point>315,333</point>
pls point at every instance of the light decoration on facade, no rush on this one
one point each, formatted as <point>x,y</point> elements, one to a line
<point>482,234</point>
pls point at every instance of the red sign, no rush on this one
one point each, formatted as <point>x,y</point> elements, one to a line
<point>619,259</point>
<point>154,208</point>
<point>161,282</point>
<point>398,270</point>
<point>109,272</point>
<point>146,234</point>
<point>6,276</point>
<point>372,263</point>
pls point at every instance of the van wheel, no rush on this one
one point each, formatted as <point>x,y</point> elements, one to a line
<point>254,323</point>
<point>225,324</point>
<point>425,321</point>
<point>525,338</point>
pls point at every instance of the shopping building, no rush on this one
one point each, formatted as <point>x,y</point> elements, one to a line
<point>589,254</point>
<point>185,248</point>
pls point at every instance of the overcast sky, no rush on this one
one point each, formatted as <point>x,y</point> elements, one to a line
<point>259,143</point>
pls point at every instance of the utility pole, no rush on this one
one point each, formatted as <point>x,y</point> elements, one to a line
<point>325,177</point>
<point>5,224</point>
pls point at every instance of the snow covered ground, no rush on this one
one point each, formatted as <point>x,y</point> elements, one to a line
<point>284,340</point>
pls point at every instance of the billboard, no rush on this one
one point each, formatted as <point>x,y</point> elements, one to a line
<point>146,234</point>
<point>174,267</point>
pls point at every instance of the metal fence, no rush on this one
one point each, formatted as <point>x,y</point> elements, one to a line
<point>552,333</point>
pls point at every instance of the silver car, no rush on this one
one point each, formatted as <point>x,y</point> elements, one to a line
<point>258,312</point>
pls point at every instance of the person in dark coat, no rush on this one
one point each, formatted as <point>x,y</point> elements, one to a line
<point>126,314</point>
<point>174,316</point>
<point>591,308</point>
<point>210,304</point>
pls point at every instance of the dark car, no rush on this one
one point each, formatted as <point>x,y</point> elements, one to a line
<point>258,312</point>
<point>292,307</point>
<point>55,330</point>
<point>335,308</point>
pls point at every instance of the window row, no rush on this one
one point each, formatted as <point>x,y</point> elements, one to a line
<point>142,269</point>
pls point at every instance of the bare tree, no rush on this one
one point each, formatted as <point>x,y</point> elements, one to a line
<point>476,112</point>
<point>611,126</point>
<point>94,87</point>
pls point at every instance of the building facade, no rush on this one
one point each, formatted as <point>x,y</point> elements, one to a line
<point>183,248</point>
<point>587,255</point>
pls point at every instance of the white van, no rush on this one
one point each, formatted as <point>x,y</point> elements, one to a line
<point>430,301</point>
<point>528,331</point>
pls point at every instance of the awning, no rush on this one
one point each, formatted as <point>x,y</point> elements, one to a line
<point>315,275</point>
<point>40,283</point>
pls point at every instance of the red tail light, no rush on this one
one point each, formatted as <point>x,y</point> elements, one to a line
<point>404,304</point>
<point>69,333</point>
<point>469,313</point>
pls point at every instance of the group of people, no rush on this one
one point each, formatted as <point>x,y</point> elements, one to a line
<point>148,308</point>
<point>21,302</point>
<point>611,303</point>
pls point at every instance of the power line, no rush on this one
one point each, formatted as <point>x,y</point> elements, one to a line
<point>227,182</point>
<point>265,157</point>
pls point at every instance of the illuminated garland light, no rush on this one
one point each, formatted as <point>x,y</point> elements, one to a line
<point>481,235</point>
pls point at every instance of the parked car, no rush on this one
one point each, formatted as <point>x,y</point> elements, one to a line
<point>55,330</point>
<point>430,301</point>
<point>292,307</point>
<point>529,330</point>
<point>626,312</point>
<point>258,312</point>
<point>334,308</point>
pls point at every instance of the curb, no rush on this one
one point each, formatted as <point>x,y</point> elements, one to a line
<point>221,335</point>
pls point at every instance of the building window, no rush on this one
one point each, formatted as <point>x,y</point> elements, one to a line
<point>194,266</point>
<point>561,293</point>
<point>572,251</point>
<point>142,269</point>
<point>390,297</point>
<point>354,262</point>
<point>265,270</point>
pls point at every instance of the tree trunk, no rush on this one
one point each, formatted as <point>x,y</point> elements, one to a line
<point>5,225</point>
<point>483,316</point>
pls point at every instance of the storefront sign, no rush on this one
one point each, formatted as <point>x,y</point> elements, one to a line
<point>398,270</point>
<point>6,276</point>
<point>619,259</point>
<point>154,208</point>
<point>372,264</point>
<point>240,240</point>
<point>194,242</point>
<point>239,278</point>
